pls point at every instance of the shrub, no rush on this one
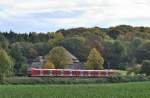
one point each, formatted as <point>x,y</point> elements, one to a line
<point>75,80</point>
<point>146,67</point>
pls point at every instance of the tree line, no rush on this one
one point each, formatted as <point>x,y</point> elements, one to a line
<point>120,47</point>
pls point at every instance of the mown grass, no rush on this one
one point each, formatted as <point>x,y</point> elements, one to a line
<point>121,90</point>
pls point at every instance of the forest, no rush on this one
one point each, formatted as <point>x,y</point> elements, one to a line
<point>121,47</point>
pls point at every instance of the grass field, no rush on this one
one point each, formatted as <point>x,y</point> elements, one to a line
<point>122,90</point>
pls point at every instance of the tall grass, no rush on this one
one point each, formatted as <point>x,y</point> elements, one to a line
<point>122,90</point>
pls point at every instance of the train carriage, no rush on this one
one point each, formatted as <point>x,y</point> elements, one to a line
<point>71,73</point>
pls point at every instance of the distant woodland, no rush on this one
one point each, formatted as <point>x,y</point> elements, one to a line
<point>121,47</point>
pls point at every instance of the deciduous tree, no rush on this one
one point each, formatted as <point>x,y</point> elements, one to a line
<point>48,65</point>
<point>143,52</point>
<point>6,64</point>
<point>59,57</point>
<point>3,42</point>
<point>95,60</point>
<point>55,37</point>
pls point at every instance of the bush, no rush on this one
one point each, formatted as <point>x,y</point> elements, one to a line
<point>146,67</point>
<point>75,80</point>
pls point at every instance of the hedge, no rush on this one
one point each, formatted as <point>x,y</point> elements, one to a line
<point>74,80</point>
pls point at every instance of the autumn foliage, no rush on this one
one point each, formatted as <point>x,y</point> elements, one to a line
<point>49,65</point>
<point>95,60</point>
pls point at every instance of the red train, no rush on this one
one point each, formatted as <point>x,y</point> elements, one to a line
<point>71,73</point>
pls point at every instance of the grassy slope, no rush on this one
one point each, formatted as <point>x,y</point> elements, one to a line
<point>122,90</point>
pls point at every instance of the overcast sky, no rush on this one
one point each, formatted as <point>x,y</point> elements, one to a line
<point>51,15</point>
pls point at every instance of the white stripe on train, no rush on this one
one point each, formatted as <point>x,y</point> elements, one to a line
<point>101,73</point>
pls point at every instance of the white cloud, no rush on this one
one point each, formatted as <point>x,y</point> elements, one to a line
<point>91,13</point>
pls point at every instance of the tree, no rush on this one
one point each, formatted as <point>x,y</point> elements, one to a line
<point>55,37</point>
<point>143,52</point>
<point>42,48</point>
<point>146,67</point>
<point>48,65</point>
<point>26,48</point>
<point>23,69</point>
<point>95,60</point>
<point>3,42</point>
<point>76,45</point>
<point>135,69</point>
<point>115,53</point>
<point>31,53</point>
<point>131,47</point>
<point>20,60</point>
<point>6,64</point>
<point>34,37</point>
<point>59,57</point>
<point>114,33</point>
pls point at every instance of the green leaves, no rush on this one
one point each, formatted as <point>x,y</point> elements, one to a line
<point>5,64</point>
<point>3,42</point>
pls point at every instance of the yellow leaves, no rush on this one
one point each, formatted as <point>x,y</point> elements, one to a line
<point>49,65</point>
<point>94,60</point>
<point>59,57</point>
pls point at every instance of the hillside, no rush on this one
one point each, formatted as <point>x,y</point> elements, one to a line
<point>121,47</point>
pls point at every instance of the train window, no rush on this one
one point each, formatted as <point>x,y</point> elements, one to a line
<point>76,72</point>
<point>37,71</point>
<point>94,73</point>
<point>85,73</point>
<point>56,72</point>
<point>66,72</point>
<point>49,72</point>
<point>103,73</point>
<point>45,72</point>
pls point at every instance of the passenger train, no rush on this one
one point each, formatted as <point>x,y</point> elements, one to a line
<point>34,72</point>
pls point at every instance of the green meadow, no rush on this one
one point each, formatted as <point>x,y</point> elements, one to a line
<point>120,90</point>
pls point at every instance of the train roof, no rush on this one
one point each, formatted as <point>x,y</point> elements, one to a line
<point>74,69</point>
